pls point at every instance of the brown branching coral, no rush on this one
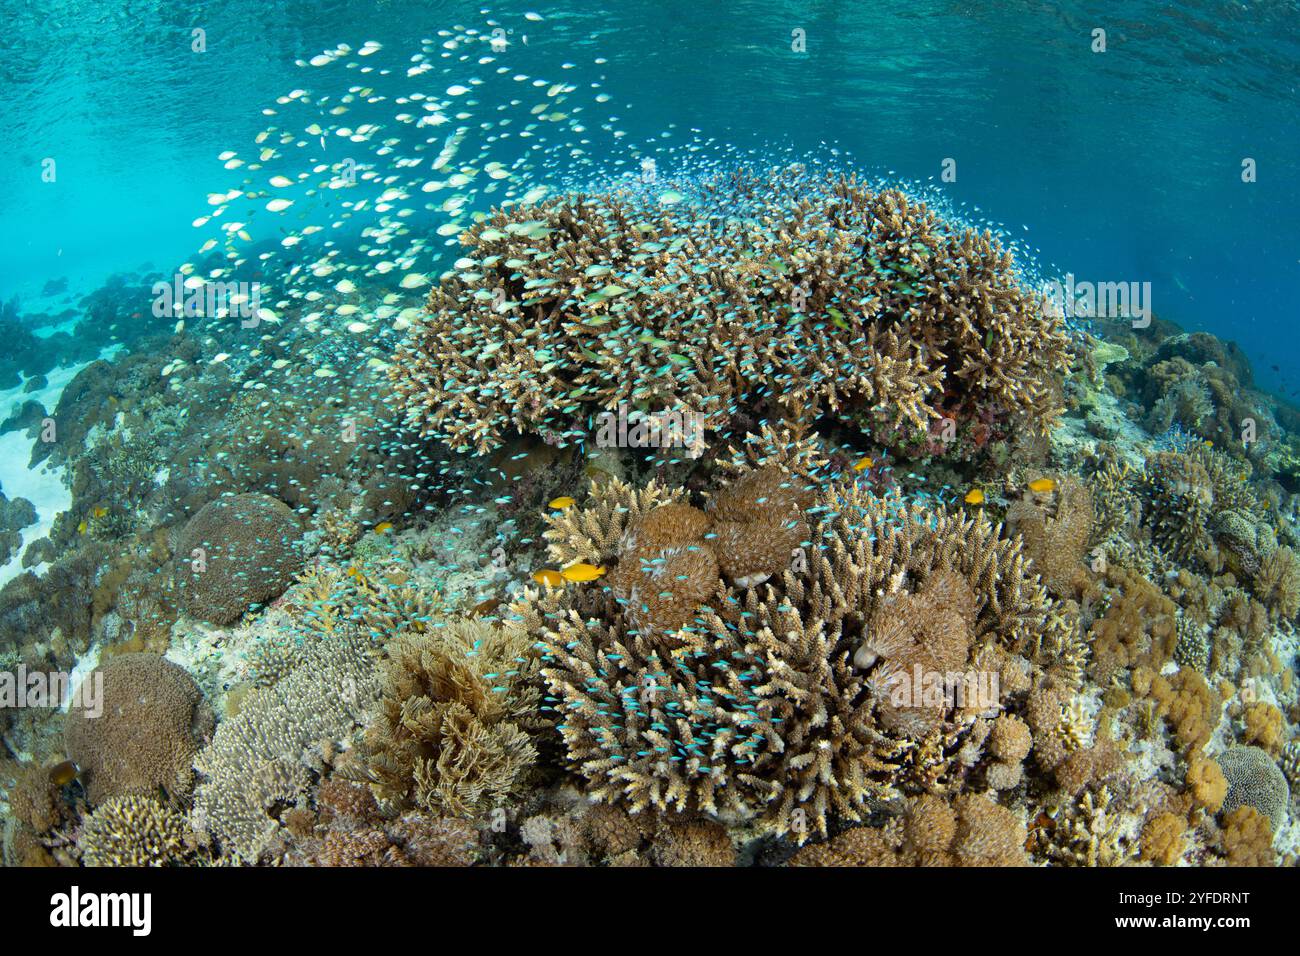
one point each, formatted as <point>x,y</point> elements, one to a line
<point>452,733</point>
<point>762,713</point>
<point>1086,831</point>
<point>856,301</point>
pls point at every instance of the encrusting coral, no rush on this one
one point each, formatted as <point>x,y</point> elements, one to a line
<point>811,292</point>
<point>757,710</point>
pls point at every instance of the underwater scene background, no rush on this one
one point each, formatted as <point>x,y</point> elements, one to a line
<point>668,434</point>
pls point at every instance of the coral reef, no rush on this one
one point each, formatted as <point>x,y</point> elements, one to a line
<point>761,711</point>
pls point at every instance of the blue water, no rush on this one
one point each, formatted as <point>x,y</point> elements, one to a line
<point>1118,166</point>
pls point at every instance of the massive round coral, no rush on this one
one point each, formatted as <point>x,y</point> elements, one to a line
<point>141,734</point>
<point>234,553</point>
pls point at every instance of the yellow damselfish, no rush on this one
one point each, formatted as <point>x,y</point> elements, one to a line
<point>582,572</point>
<point>552,579</point>
<point>1041,485</point>
<point>559,504</point>
<point>383,527</point>
<point>974,497</point>
<point>862,464</point>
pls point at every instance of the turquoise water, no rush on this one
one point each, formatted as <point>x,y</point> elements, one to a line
<point>1122,166</point>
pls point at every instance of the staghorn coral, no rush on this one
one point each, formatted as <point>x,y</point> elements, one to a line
<point>761,713</point>
<point>452,734</point>
<point>1086,831</point>
<point>592,533</point>
<point>611,301</point>
<point>263,759</point>
<point>154,720</point>
<point>236,552</point>
<point>134,830</point>
<point>1115,503</point>
<point>1254,780</point>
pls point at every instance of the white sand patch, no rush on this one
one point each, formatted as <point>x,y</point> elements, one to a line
<point>45,486</point>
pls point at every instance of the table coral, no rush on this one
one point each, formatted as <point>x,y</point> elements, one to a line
<point>863,302</point>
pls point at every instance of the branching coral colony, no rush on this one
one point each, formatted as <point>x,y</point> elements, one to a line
<point>1025,646</point>
<point>796,693</point>
<point>786,294</point>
